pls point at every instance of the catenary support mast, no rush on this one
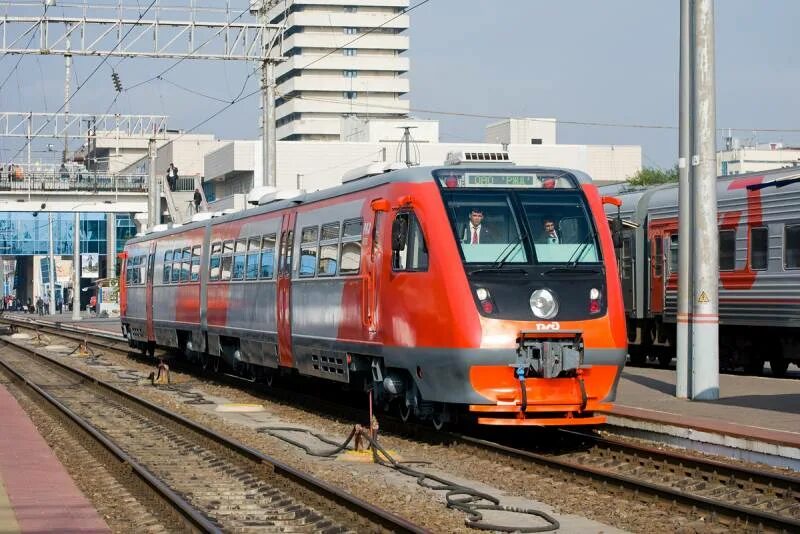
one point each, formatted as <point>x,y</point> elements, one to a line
<point>705,319</point>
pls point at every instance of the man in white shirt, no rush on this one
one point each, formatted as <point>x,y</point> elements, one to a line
<point>476,232</point>
<point>550,232</point>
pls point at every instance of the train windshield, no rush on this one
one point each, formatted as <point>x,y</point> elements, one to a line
<point>522,226</point>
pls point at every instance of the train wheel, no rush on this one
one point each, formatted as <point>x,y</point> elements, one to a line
<point>437,420</point>
<point>405,411</point>
<point>664,359</point>
<point>778,366</point>
<point>638,357</point>
<point>754,366</point>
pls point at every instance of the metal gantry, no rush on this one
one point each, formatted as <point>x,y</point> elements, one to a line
<point>72,125</point>
<point>86,36</point>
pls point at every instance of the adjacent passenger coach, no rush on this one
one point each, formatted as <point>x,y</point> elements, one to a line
<point>478,288</point>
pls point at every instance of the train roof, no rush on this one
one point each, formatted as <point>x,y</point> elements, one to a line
<point>409,175</point>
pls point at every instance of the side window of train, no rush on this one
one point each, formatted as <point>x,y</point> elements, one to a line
<point>308,251</point>
<point>409,251</point>
<point>658,260</point>
<point>626,258</point>
<point>351,247</point>
<point>186,264</point>
<point>328,250</point>
<point>167,267</point>
<point>175,276</point>
<point>253,250</point>
<point>791,243</point>
<point>727,250</point>
<point>239,259</point>
<point>267,256</point>
<point>759,248</point>
<point>227,260</point>
<point>195,263</point>
<point>215,262</point>
<point>673,253</point>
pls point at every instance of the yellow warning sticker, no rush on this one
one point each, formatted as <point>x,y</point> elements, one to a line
<point>703,298</point>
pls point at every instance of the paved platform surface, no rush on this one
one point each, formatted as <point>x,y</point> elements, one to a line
<point>110,325</point>
<point>37,494</point>
<point>762,408</point>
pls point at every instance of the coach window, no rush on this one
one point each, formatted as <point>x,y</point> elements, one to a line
<point>308,251</point>
<point>227,260</point>
<point>658,261</point>
<point>186,264</point>
<point>253,249</point>
<point>328,250</point>
<point>351,247</point>
<point>626,258</point>
<point>673,253</point>
<point>167,266</point>
<point>267,256</point>
<point>195,263</point>
<point>727,250</point>
<point>216,260</point>
<point>239,259</point>
<point>414,255</point>
<point>176,266</point>
<point>791,258</point>
<point>759,248</point>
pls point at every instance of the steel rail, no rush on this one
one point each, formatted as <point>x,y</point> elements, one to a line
<point>377,515</point>
<point>730,510</point>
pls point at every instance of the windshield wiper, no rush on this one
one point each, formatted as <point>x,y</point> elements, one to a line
<point>573,270</point>
<point>578,252</point>
<point>502,258</point>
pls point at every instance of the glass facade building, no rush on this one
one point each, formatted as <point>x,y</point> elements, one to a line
<point>25,234</point>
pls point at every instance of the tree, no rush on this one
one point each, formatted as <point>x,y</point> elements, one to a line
<point>653,176</point>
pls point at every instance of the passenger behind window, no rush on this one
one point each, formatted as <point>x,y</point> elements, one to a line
<point>549,234</point>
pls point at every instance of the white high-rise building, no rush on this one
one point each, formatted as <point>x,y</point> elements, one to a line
<point>334,70</point>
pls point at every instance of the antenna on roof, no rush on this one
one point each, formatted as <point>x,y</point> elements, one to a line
<point>406,140</point>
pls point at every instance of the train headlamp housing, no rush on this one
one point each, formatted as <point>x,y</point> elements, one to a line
<point>544,304</point>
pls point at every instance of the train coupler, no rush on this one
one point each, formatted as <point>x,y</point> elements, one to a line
<point>549,354</point>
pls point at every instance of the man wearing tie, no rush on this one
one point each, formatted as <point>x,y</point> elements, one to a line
<point>476,232</point>
<point>550,233</point>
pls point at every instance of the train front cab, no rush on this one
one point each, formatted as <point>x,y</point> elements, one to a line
<point>543,331</point>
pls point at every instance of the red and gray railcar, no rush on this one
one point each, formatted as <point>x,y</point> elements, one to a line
<point>371,284</point>
<point>759,261</point>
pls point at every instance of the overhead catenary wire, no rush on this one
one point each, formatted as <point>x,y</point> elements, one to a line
<point>89,77</point>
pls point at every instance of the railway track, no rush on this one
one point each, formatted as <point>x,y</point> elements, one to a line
<point>209,482</point>
<point>723,492</point>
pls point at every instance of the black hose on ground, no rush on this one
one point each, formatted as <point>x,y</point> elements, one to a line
<point>462,498</point>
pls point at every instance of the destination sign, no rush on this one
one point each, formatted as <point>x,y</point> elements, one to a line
<point>502,180</point>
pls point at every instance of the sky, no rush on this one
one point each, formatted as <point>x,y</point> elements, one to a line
<point>579,61</point>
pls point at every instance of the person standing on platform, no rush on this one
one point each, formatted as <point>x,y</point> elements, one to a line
<point>172,176</point>
<point>198,198</point>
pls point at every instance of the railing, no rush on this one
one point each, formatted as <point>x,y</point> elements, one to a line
<point>85,181</point>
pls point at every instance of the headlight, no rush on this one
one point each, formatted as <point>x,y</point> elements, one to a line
<point>544,304</point>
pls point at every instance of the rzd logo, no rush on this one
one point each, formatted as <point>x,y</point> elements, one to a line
<point>548,326</point>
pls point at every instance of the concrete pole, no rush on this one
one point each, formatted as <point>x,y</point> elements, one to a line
<point>52,261</point>
<point>67,74</point>
<point>682,386</point>
<point>111,245</point>
<point>76,268</point>
<point>153,194</point>
<point>269,144</point>
<point>269,148</point>
<point>705,319</point>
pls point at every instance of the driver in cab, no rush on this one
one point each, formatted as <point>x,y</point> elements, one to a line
<point>476,233</point>
<point>550,234</point>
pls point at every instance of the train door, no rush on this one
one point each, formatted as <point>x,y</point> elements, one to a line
<point>284,297</point>
<point>149,291</point>
<point>123,284</point>
<point>374,267</point>
<point>656,272</point>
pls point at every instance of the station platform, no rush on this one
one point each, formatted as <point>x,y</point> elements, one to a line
<point>757,416</point>
<point>92,323</point>
<point>37,494</point>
